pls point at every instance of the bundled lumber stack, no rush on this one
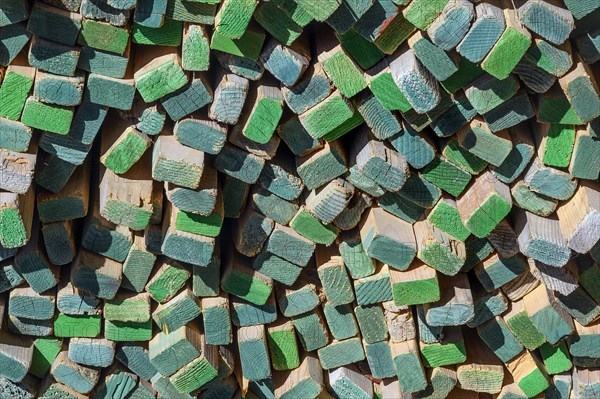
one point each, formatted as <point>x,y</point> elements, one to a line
<point>299,199</point>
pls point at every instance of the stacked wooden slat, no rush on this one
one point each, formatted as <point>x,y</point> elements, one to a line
<point>299,199</point>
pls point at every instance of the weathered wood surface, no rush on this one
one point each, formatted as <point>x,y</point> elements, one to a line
<point>299,199</point>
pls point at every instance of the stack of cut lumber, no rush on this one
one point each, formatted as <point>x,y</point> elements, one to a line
<point>299,199</point>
